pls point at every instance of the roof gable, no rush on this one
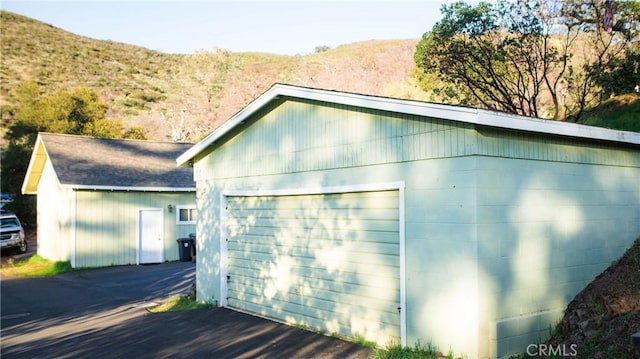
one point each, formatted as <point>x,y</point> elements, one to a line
<point>112,164</point>
<point>447,112</point>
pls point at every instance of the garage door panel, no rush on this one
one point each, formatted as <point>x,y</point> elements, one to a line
<point>267,271</point>
<point>338,213</point>
<point>253,256</point>
<point>299,227</point>
<point>373,244</point>
<point>328,261</point>
<point>311,240</point>
<point>329,297</point>
<point>355,200</point>
<point>332,263</point>
<point>366,254</point>
<point>350,293</point>
<point>320,311</point>
<point>276,309</point>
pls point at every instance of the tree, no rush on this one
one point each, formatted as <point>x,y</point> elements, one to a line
<point>517,56</point>
<point>78,111</point>
<point>136,133</point>
<point>497,56</point>
<point>608,33</point>
<point>322,48</point>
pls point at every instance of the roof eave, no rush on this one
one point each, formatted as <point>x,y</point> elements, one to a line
<point>36,167</point>
<point>129,188</point>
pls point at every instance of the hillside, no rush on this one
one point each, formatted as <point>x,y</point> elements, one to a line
<point>620,113</point>
<point>600,320</point>
<point>157,90</point>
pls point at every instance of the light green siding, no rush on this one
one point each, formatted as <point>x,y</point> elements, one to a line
<point>440,238</point>
<point>301,136</point>
<point>545,230</point>
<point>502,228</point>
<point>100,228</point>
<point>107,225</point>
<point>512,144</point>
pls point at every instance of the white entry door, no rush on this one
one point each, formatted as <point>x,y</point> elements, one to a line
<point>150,238</point>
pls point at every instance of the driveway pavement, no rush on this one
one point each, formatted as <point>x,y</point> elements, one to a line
<point>100,313</point>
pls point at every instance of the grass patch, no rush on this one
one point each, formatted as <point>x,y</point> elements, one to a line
<point>178,303</point>
<point>363,342</point>
<point>620,113</point>
<point>35,266</point>
<point>394,350</point>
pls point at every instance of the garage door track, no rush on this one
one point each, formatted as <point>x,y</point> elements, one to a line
<point>101,313</point>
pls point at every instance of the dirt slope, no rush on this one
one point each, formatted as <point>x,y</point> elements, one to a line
<point>601,318</point>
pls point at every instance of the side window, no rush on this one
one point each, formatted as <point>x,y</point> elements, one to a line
<point>186,214</point>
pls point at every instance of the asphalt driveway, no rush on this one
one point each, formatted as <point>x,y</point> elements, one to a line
<point>101,313</point>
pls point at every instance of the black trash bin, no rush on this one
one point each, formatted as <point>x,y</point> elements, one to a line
<point>192,239</point>
<point>184,249</point>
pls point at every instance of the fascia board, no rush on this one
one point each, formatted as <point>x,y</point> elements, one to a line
<point>130,189</point>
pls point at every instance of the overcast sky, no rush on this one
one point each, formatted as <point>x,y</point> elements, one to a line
<point>280,27</point>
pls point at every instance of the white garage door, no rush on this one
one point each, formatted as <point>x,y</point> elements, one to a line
<point>324,261</point>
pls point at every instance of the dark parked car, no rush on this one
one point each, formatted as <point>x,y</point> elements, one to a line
<point>11,232</point>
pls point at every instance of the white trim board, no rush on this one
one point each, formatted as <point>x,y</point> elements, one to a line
<point>370,187</point>
<point>128,189</point>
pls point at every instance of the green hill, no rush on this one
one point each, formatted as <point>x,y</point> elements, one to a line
<point>156,90</point>
<point>190,95</point>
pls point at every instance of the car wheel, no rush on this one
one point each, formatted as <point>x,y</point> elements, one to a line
<point>23,247</point>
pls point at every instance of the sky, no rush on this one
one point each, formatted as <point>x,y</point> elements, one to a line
<point>278,27</point>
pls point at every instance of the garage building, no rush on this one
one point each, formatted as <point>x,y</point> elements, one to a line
<point>106,202</point>
<point>383,218</point>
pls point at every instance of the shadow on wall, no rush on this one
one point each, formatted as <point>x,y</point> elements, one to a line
<point>564,224</point>
<point>328,261</point>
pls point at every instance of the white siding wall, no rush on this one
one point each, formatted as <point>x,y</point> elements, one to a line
<point>54,217</point>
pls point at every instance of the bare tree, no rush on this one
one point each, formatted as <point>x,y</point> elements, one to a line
<point>179,132</point>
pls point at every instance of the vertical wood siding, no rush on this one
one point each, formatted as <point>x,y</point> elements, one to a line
<point>300,136</point>
<point>512,144</point>
<point>107,225</point>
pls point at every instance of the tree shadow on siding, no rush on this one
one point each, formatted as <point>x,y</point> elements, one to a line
<point>317,261</point>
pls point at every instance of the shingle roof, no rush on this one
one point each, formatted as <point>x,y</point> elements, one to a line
<point>100,162</point>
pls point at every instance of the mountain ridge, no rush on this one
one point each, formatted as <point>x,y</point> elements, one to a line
<point>183,97</point>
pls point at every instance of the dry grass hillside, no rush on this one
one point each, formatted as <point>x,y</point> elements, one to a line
<point>192,93</point>
<point>600,320</point>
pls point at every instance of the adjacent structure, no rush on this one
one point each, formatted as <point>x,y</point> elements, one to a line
<point>379,217</point>
<point>105,202</point>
